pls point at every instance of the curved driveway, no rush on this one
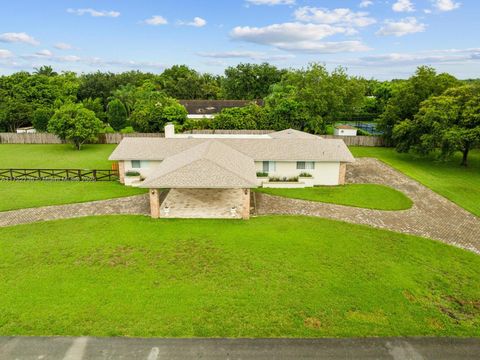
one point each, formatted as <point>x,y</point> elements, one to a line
<point>431,215</point>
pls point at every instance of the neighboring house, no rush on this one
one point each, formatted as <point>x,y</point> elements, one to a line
<point>230,163</point>
<point>207,109</point>
<point>345,130</point>
<point>26,130</point>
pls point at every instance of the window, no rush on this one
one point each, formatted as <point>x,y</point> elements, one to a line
<point>305,165</point>
<point>269,166</point>
<point>136,164</point>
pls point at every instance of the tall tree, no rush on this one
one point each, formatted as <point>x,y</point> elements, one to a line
<point>449,122</point>
<point>117,114</point>
<point>407,96</point>
<point>250,81</point>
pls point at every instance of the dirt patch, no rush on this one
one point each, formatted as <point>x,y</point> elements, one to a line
<point>312,323</point>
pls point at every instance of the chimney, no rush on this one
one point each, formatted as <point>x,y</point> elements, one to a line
<point>169,130</point>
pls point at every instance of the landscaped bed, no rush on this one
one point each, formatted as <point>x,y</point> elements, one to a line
<point>370,196</point>
<point>27,194</point>
<point>457,183</point>
<point>267,277</point>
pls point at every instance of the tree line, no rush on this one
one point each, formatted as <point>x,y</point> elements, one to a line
<point>427,112</point>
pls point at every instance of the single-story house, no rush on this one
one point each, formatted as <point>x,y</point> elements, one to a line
<point>207,109</point>
<point>345,130</point>
<point>227,166</point>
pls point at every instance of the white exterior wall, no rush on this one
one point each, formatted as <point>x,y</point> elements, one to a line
<point>345,132</point>
<point>145,170</point>
<point>325,173</point>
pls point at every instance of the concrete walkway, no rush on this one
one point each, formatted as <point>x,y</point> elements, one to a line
<point>431,216</point>
<point>64,348</point>
<point>131,205</point>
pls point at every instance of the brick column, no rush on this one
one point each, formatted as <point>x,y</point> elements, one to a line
<point>121,171</point>
<point>246,204</point>
<point>154,203</point>
<point>342,172</point>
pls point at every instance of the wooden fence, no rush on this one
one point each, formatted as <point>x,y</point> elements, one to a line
<point>115,138</point>
<point>358,140</point>
<point>58,175</point>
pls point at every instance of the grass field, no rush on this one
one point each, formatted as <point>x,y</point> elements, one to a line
<point>26,194</point>
<point>267,277</point>
<point>460,185</point>
<point>370,196</point>
<point>55,156</point>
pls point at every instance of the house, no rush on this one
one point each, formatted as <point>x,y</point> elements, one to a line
<point>211,175</point>
<point>26,130</point>
<point>207,109</point>
<point>345,130</point>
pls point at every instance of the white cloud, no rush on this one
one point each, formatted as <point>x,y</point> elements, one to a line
<point>5,54</point>
<point>45,53</point>
<point>403,6</point>
<point>448,56</point>
<point>446,5</point>
<point>94,13</point>
<point>253,55</point>
<point>402,27</point>
<point>298,37</point>
<point>365,3</point>
<point>197,22</point>
<point>156,20</point>
<point>342,16</point>
<point>63,46</point>
<point>271,2</point>
<point>21,37</point>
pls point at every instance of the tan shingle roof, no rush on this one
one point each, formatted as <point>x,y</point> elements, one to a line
<point>292,134</point>
<point>312,149</point>
<point>209,164</point>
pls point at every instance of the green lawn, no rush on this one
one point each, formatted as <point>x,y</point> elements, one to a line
<point>267,277</point>
<point>55,156</point>
<point>26,194</point>
<point>370,196</point>
<point>460,185</point>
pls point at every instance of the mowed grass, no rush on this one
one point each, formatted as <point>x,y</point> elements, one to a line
<point>459,184</point>
<point>27,194</point>
<point>371,196</point>
<point>267,277</point>
<point>55,156</point>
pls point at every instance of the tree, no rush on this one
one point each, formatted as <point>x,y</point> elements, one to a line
<point>45,70</point>
<point>181,82</point>
<point>41,117</point>
<point>117,114</point>
<point>407,96</point>
<point>449,122</point>
<point>248,117</point>
<point>97,107</point>
<point>75,123</point>
<point>154,109</point>
<point>250,81</point>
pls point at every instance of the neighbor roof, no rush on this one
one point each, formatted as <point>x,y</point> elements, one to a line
<point>210,164</point>
<point>292,134</point>
<point>281,149</point>
<point>347,127</point>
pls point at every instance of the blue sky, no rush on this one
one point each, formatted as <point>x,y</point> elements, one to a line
<point>373,38</point>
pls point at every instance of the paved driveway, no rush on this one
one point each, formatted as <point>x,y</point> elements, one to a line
<point>62,348</point>
<point>431,216</point>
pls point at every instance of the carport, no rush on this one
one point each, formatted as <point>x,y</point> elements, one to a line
<point>210,180</point>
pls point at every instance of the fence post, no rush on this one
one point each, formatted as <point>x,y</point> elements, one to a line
<point>94,175</point>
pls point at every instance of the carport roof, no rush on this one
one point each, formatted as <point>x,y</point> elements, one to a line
<point>209,164</point>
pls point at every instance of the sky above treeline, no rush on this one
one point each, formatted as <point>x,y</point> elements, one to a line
<point>383,39</point>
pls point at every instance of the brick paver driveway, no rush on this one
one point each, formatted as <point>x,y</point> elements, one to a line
<point>132,205</point>
<point>431,216</point>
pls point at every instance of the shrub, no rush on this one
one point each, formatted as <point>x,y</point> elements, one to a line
<point>127,130</point>
<point>41,117</point>
<point>262,174</point>
<point>283,179</point>
<point>132,173</point>
<point>116,114</point>
<point>305,174</point>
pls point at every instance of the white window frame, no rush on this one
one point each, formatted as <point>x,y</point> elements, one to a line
<point>134,164</point>
<point>305,165</point>
<point>269,166</point>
